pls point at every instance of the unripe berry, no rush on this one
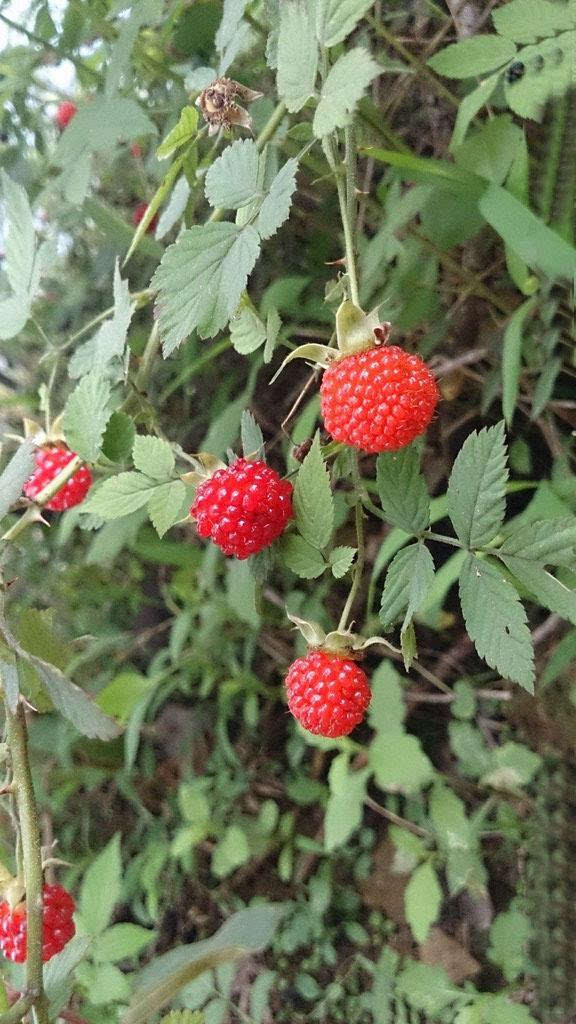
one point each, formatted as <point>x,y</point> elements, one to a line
<point>64,113</point>
<point>50,461</point>
<point>243,508</point>
<point>327,693</point>
<point>379,399</point>
<point>58,925</point>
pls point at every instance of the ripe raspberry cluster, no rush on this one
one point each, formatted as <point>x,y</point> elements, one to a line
<point>64,113</point>
<point>243,508</point>
<point>327,693</point>
<point>50,460</point>
<point>379,399</point>
<point>58,908</point>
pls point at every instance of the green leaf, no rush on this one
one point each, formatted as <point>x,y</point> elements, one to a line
<point>408,580</point>
<point>120,696</point>
<point>75,705</point>
<point>276,206</point>
<point>20,237</point>
<point>181,134</point>
<point>57,972</point>
<point>241,592</point>
<point>427,988</point>
<point>469,107</point>
<point>313,500</point>
<point>189,1016</point>
<point>119,496</point>
<point>247,332</point>
<point>153,457</point>
<point>335,19</point>
<point>546,589</point>
<point>232,180</point>
<point>297,56</point>
<point>121,941</point>
<point>472,57</point>
<point>422,901</point>
<point>345,803</point>
<point>477,487</point>
<point>399,763</point>
<point>273,326</point>
<point>457,840</point>
<point>15,474</point>
<point>548,541</point>
<point>167,505</point>
<point>303,559</point>
<point>109,342</point>
<point>513,765</point>
<point>402,490</point>
<point>491,149</point>
<point>341,559</point>
<point>86,414</point>
<point>201,278</point>
<point>252,438</point>
<point>537,244</point>
<point>118,437</point>
<point>101,888</point>
<point>342,90</point>
<point>496,621</point>
<point>529,95</point>
<point>99,125</point>
<point>511,356</point>
<point>246,932</point>
<point>526,21</point>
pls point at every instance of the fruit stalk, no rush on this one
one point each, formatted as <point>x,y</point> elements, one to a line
<point>17,738</point>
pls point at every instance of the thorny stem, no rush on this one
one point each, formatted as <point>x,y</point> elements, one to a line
<point>42,498</point>
<point>360,540</point>
<point>17,737</point>
<point>346,224</point>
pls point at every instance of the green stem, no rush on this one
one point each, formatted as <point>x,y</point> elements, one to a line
<point>360,540</point>
<point>42,498</point>
<point>148,356</point>
<point>430,535</point>
<point>346,224</point>
<point>17,737</point>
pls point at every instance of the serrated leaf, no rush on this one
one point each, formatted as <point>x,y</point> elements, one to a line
<point>477,487</point>
<point>14,313</point>
<point>86,414</point>
<point>119,496</point>
<point>181,133</point>
<point>73,704</point>
<point>341,559</point>
<point>232,180</point>
<point>512,355</point>
<point>110,340</point>
<point>166,505</point>
<point>15,474</point>
<point>99,125</point>
<point>342,90</point>
<point>153,457</point>
<point>473,56</point>
<point>496,621</point>
<point>247,332</point>
<point>402,490</point>
<point>20,238</point>
<point>201,278</point>
<point>335,19</point>
<point>252,438</point>
<point>408,580</point>
<point>101,888</point>
<point>525,21</point>
<point>548,541</point>
<point>276,206</point>
<point>345,805</point>
<point>547,590</point>
<point>297,54</point>
<point>303,559</point>
<point>273,325</point>
<point>422,901</point>
<point>118,437</point>
<point>313,500</point>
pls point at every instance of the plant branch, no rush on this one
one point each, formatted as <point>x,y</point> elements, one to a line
<point>344,213</point>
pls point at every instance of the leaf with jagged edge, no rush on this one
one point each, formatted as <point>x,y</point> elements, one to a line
<point>313,499</point>
<point>15,474</point>
<point>402,490</point>
<point>343,89</point>
<point>408,581</point>
<point>477,487</point>
<point>297,54</point>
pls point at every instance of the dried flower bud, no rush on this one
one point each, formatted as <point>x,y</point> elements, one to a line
<point>218,107</point>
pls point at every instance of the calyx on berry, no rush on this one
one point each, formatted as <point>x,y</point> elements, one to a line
<point>339,641</point>
<point>356,331</point>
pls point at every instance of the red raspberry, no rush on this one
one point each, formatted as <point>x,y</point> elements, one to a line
<point>378,400</point>
<point>64,114</point>
<point>136,150</point>
<point>243,508</point>
<point>327,693</point>
<point>49,462</point>
<point>59,927</point>
<point>139,212</point>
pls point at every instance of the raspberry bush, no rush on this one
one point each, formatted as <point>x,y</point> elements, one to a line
<point>322,378</point>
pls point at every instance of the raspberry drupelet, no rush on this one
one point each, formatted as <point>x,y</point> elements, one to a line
<point>58,925</point>
<point>50,460</point>
<point>243,508</point>
<point>327,693</point>
<point>64,113</point>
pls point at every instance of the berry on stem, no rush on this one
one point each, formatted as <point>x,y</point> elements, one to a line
<point>58,908</point>
<point>327,693</point>
<point>243,508</point>
<point>50,461</point>
<point>64,113</point>
<point>139,213</point>
<point>378,399</point>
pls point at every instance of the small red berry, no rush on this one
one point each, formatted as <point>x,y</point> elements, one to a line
<point>49,462</point>
<point>58,908</point>
<point>243,508</point>
<point>139,212</point>
<point>327,693</point>
<point>64,113</point>
<point>136,150</point>
<point>379,399</point>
